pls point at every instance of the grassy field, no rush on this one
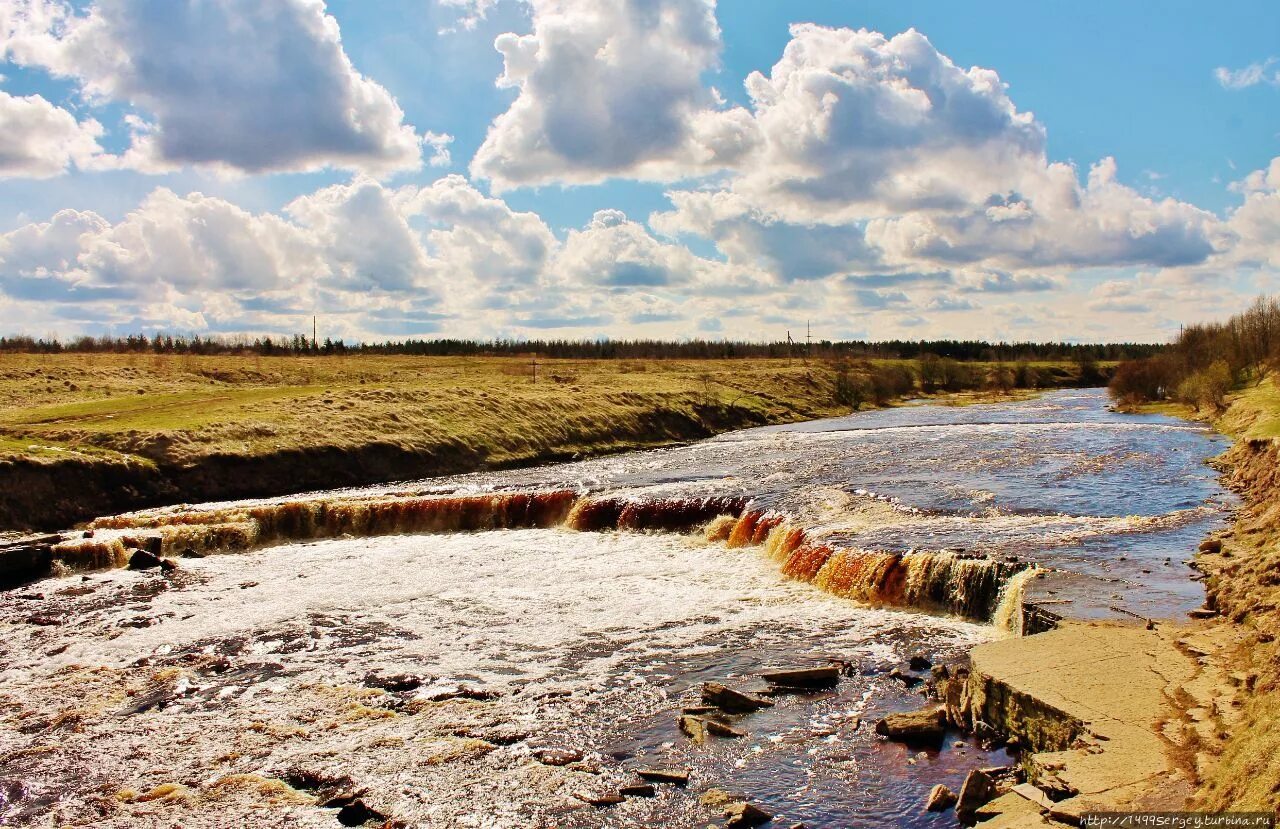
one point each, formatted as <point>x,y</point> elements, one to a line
<point>147,429</point>
<point>181,408</point>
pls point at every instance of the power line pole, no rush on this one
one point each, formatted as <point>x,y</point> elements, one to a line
<point>808,341</point>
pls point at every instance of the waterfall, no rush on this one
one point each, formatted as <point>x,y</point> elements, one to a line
<point>1008,613</point>
<point>972,586</point>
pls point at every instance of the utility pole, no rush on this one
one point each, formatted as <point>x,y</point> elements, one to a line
<point>535,367</point>
<point>808,341</point>
<point>791,347</point>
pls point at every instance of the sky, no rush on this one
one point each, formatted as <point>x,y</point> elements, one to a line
<point>636,168</point>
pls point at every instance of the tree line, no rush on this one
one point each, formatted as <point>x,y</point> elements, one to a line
<point>1206,361</point>
<point>605,349</point>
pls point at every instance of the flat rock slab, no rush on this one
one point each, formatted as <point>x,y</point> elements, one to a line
<point>675,777</point>
<point>823,677</point>
<point>928,724</point>
<point>1118,680</point>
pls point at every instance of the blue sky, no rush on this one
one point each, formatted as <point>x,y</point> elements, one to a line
<point>235,166</point>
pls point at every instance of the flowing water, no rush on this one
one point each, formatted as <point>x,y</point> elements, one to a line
<point>489,679</point>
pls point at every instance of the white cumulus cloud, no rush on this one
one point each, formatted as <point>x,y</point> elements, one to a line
<point>235,84</point>
<point>611,88</point>
<point>39,140</point>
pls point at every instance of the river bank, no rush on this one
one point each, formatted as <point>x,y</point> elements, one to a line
<point>89,435</point>
<point>1162,716</point>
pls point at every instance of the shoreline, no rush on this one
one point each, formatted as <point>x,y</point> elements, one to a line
<point>1162,717</point>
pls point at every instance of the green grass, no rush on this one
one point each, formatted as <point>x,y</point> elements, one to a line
<point>1256,411</point>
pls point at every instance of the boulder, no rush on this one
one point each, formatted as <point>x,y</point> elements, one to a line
<point>26,560</point>
<point>143,560</point>
<point>977,791</point>
<point>919,662</point>
<point>675,777</point>
<point>823,677</point>
<point>168,565</point>
<point>734,702</point>
<point>940,799</point>
<point>1212,546</point>
<point>926,724</point>
<point>742,814</point>
<point>358,813</point>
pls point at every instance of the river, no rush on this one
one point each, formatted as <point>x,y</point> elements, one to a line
<point>488,679</point>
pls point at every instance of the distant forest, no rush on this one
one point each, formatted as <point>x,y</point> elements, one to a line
<point>300,345</point>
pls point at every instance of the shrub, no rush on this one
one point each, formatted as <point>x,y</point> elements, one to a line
<point>1206,389</point>
<point>891,382</point>
<point>1141,381</point>
<point>851,388</point>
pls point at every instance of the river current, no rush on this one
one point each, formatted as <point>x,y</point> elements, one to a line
<point>494,679</point>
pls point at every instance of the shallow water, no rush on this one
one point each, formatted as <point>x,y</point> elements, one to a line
<point>1118,500</point>
<point>239,669</point>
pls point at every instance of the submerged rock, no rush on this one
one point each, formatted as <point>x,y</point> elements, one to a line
<point>715,798</point>
<point>927,724</point>
<point>638,790</point>
<point>734,702</point>
<point>940,799</point>
<point>908,679</point>
<point>919,662</point>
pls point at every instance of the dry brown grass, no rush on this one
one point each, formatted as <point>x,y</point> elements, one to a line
<point>181,408</point>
